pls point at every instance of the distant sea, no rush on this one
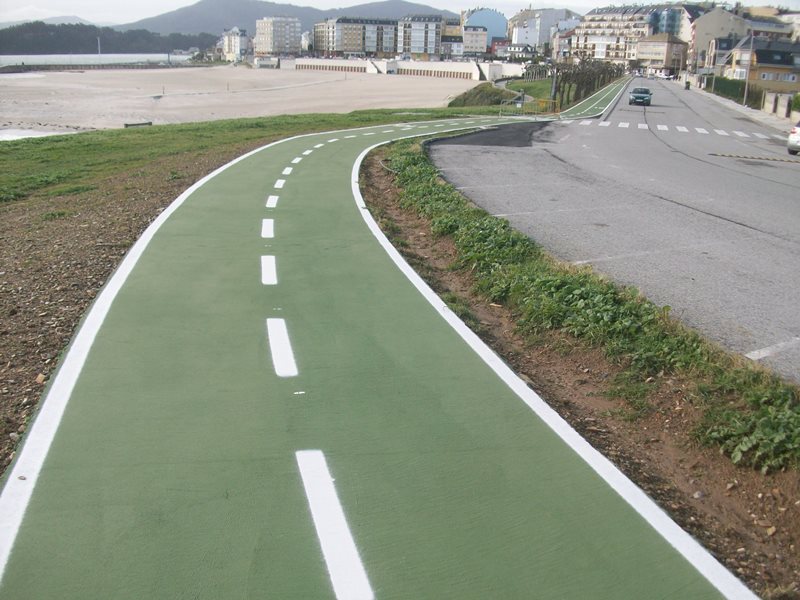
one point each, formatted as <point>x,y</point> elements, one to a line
<point>91,59</point>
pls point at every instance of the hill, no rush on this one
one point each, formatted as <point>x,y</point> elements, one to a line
<point>49,21</point>
<point>215,16</point>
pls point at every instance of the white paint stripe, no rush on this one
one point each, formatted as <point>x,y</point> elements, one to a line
<point>700,130</point>
<point>774,349</point>
<point>269,271</point>
<point>370,133</point>
<point>426,126</point>
<point>663,128</point>
<point>345,568</point>
<point>267,228</point>
<point>643,126</point>
<point>297,160</point>
<point>319,146</point>
<point>349,137</point>
<point>587,122</point>
<point>280,183</point>
<point>685,544</point>
<point>287,171</point>
<point>272,201</point>
<point>721,132</point>
<point>605,124</point>
<point>741,134</point>
<point>682,129</point>
<point>761,136</point>
<point>392,130</point>
<point>624,125</point>
<point>778,136</point>
<point>307,152</point>
<point>22,478</point>
<point>333,140</point>
<point>280,348</point>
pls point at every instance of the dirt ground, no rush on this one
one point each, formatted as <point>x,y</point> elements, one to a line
<point>56,253</point>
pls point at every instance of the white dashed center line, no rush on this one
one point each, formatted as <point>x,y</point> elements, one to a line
<point>280,348</point>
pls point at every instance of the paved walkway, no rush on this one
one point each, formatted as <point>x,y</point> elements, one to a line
<point>265,401</point>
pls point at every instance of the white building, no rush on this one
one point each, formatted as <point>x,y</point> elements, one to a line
<point>535,27</point>
<point>234,44</point>
<point>475,40</point>
<point>420,35</point>
<point>277,35</point>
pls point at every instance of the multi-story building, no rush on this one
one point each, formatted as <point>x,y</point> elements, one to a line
<point>420,35</point>
<point>235,44</point>
<point>561,45</point>
<point>662,54</point>
<point>346,36</point>
<point>277,35</point>
<point>534,27</point>
<point>475,40</point>
<point>771,65</point>
<point>452,46</point>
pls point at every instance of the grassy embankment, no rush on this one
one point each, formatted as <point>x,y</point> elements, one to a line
<point>751,415</point>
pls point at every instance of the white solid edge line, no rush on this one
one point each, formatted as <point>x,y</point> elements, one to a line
<point>774,349</point>
<point>685,544</point>
<point>267,228</point>
<point>280,348</point>
<point>269,270</point>
<point>21,478</point>
<point>349,579</point>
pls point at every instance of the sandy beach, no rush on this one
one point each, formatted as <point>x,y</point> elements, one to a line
<point>78,100</point>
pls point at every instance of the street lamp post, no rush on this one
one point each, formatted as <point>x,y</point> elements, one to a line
<point>747,75</point>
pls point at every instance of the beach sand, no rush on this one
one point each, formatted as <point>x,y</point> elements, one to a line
<point>66,101</point>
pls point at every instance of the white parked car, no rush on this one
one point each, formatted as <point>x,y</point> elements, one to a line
<point>793,142</point>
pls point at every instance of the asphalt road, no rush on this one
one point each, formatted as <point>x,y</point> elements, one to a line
<point>693,203</point>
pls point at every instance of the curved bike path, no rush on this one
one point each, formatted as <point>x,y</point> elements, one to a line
<point>261,405</point>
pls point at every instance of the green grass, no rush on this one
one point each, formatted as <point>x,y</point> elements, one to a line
<point>750,414</point>
<point>485,94</point>
<point>535,89</point>
<point>70,164</point>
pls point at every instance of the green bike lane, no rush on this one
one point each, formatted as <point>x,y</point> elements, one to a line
<point>176,470</point>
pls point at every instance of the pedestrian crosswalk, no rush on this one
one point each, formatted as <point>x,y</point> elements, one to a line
<point>676,128</point>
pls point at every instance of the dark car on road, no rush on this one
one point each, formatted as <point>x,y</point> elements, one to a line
<point>640,95</point>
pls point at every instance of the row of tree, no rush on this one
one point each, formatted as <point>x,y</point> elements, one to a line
<point>40,38</point>
<point>576,81</point>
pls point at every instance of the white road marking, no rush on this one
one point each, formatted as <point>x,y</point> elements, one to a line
<point>587,122</point>
<point>721,132</point>
<point>345,568</point>
<point>333,140</point>
<point>774,349</point>
<point>307,152</point>
<point>700,130</point>
<point>424,126</point>
<point>741,134</point>
<point>720,577</point>
<point>349,137</point>
<point>644,126</point>
<point>319,145</point>
<point>663,128</point>
<point>272,201</point>
<point>280,348</point>
<point>778,136</point>
<point>280,183</point>
<point>761,136</point>
<point>681,128</point>
<point>624,125</point>
<point>297,160</point>
<point>287,171</point>
<point>370,133</point>
<point>269,271</point>
<point>267,228</point>
<point>605,124</point>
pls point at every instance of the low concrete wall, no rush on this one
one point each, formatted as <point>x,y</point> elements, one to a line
<point>783,106</point>
<point>331,64</point>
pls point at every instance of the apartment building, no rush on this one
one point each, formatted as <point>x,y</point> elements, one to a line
<point>347,36</point>
<point>234,44</point>
<point>277,35</point>
<point>662,54</point>
<point>535,27</point>
<point>475,40</point>
<point>419,35</point>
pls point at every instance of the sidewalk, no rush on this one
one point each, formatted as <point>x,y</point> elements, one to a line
<point>781,125</point>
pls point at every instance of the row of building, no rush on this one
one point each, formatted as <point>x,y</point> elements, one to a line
<point>659,39</point>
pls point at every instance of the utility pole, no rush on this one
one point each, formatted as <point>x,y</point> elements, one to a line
<point>747,77</point>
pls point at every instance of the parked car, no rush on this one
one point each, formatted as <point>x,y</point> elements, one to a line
<point>640,95</point>
<point>793,142</point>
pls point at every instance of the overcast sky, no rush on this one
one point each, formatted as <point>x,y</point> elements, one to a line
<point>110,11</point>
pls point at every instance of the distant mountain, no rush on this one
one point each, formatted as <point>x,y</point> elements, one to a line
<point>215,16</point>
<point>49,21</point>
